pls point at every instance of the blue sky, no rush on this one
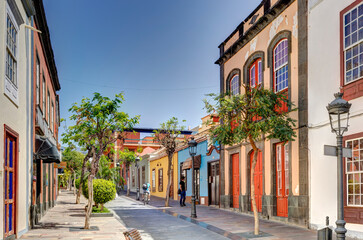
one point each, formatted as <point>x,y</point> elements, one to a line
<point>160,53</point>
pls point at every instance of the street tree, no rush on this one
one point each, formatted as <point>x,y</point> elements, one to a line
<point>168,135</point>
<point>255,115</point>
<point>74,160</point>
<point>75,135</point>
<point>99,120</point>
<point>127,157</point>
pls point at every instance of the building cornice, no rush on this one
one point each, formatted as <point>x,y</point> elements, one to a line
<point>29,7</point>
<point>41,22</point>
<point>261,23</point>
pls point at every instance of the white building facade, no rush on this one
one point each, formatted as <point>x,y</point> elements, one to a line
<point>335,64</point>
<point>15,123</point>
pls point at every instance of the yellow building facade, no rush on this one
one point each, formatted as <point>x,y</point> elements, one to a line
<point>159,175</point>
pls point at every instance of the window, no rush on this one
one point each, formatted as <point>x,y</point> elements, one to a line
<point>234,85</point>
<point>11,51</point>
<point>353,44</point>
<point>43,97</point>
<point>354,173</point>
<point>160,186</point>
<point>143,180</point>
<point>153,180</point>
<point>185,174</point>
<point>48,107</point>
<point>38,79</point>
<point>52,118</point>
<point>196,183</point>
<point>280,66</point>
<point>256,73</point>
<point>133,177</point>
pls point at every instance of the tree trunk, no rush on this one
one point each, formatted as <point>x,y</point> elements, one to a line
<point>167,198</point>
<point>84,164</point>
<point>70,182</point>
<point>128,180</point>
<point>101,207</point>
<point>254,206</point>
<point>94,170</point>
<point>90,202</point>
<point>74,183</point>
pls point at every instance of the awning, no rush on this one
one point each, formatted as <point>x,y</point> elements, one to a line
<point>187,164</point>
<point>45,150</point>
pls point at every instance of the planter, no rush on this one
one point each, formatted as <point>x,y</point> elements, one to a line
<point>109,214</point>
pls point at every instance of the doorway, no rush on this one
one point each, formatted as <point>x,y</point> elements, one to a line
<point>10,190</point>
<point>282,179</point>
<point>213,183</point>
<point>258,183</point>
<point>235,180</point>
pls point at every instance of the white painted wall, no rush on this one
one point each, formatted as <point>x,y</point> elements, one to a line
<point>323,82</point>
<point>17,117</point>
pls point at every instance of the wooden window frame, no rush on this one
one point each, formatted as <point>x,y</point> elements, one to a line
<point>235,72</point>
<point>352,214</point>
<point>280,67</point>
<point>160,179</point>
<point>153,179</point>
<point>48,108</point>
<point>37,80</point>
<point>43,95</point>
<point>353,89</point>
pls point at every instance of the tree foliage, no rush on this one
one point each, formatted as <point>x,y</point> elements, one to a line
<point>73,158</point>
<point>168,136</point>
<point>256,115</point>
<point>98,124</point>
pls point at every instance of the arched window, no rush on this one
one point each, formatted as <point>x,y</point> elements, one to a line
<point>255,72</point>
<point>234,85</point>
<point>281,66</point>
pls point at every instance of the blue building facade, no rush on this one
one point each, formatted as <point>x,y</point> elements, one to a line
<point>206,182</point>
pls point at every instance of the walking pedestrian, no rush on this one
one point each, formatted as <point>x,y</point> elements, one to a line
<point>182,191</point>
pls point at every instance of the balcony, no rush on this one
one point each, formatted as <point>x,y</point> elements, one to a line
<point>41,127</point>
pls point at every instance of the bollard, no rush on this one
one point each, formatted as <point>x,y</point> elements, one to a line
<point>325,233</point>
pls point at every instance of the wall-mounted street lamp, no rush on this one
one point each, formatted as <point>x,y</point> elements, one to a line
<point>339,118</point>
<point>137,159</point>
<point>193,151</point>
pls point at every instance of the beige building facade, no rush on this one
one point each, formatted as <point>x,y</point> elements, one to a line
<point>15,121</point>
<point>269,48</point>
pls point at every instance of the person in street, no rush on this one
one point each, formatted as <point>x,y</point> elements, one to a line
<point>148,191</point>
<point>182,191</point>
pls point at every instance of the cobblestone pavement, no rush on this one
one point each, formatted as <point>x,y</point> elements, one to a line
<point>66,219</point>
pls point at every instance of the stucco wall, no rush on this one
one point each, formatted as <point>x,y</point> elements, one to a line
<point>158,164</point>
<point>324,81</point>
<point>287,20</point>
<point>16,117</point>
<point>202,149</point>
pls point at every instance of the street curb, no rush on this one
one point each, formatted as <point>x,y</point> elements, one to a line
<point>110,214</point>
<point>117,217</point>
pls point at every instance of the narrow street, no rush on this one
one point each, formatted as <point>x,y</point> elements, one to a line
<point>154,224</point>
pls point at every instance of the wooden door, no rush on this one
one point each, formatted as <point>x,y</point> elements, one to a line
<point>10,186</point>
<point>258,180</point>
<point>282,179</point>
<point>235,180</point>
<point>213,183</point>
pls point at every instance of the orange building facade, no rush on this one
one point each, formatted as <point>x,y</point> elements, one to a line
<point>45,106</point>
<point>269,48</point>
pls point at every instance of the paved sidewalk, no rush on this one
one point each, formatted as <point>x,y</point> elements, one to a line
<point>66,219</point>
<point>231,224</point>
